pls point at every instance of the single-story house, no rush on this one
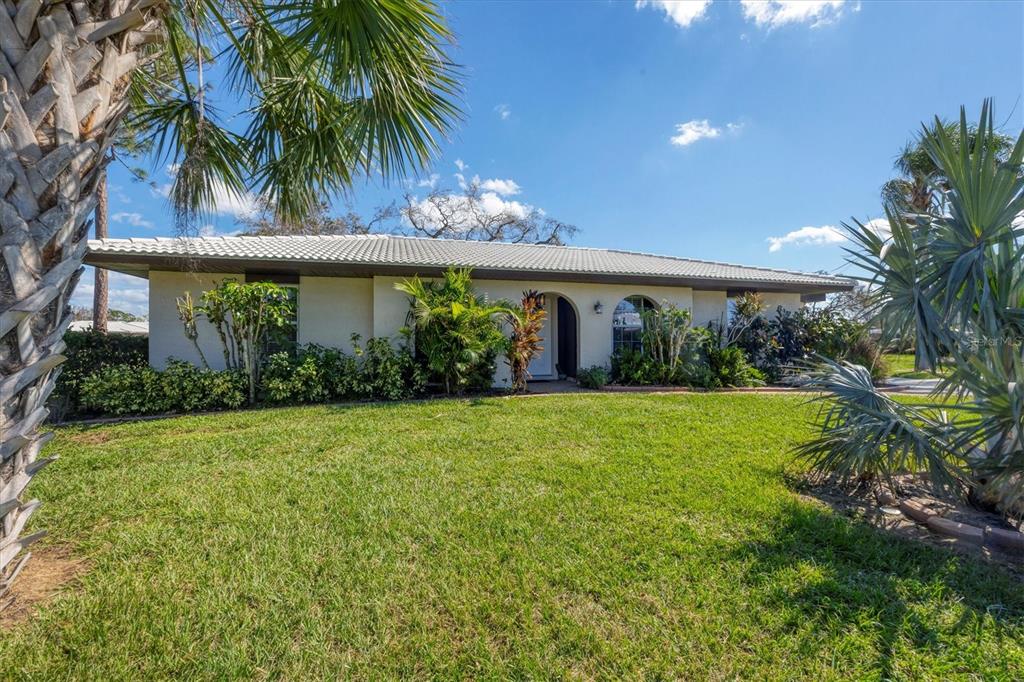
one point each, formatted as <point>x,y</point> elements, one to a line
<point>346,285</point>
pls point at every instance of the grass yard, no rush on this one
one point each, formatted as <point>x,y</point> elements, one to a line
<point>902,365</point>
<point>589,536</point>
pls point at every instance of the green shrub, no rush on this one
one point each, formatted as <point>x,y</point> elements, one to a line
<point>119,390</point>
<point>391,373</point>
<point>595,377</point>
<point>456,330</point>
<point>632,367</point>
<point>88,352</point>
<point>188,388</point>
<point>299,379</point>
<point>775,345</point>
<point>315,374</point>
<point>728,368</point>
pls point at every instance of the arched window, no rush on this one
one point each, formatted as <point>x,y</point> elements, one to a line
<point>628,323</point>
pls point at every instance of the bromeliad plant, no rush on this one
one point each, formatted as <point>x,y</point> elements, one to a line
<point>954,281</point>
<point>526,322</point>
<point>455,330</point>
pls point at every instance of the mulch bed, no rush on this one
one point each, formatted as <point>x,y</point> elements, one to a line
<point>919,514</point>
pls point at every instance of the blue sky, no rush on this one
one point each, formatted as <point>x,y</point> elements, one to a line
<point>701,129</point>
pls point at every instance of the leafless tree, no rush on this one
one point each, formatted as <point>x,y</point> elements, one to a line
<point>320,222</point>
<point>474,214</point>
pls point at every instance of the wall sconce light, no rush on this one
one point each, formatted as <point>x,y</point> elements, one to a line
<point>598,308</point>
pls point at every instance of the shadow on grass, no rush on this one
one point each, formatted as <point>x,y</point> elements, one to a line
<point>827,573</point>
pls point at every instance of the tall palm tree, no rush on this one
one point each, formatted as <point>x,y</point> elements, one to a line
<point>332,90</point>
<point>921,181</point>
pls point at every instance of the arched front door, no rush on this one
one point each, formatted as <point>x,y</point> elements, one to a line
<point>560,339</point>
<point>568,362</point>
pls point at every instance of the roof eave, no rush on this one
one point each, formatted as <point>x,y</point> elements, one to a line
<point>139,265</point>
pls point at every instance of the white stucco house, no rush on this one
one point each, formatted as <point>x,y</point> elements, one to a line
<point>346,285</point>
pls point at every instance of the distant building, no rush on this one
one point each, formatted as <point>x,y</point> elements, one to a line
<point>137,327</point>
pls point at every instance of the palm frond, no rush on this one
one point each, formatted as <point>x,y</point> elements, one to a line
<point>865,433</point>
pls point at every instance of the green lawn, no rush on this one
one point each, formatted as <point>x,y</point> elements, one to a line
<point>902,365</point>
<point>590,536</point>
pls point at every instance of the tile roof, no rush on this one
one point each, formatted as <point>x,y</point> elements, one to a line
<point>391,250</point>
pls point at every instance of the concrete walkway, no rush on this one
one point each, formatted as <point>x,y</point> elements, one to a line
<point>910,386</point>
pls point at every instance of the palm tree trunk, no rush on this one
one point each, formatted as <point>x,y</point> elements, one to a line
<point>63,68</point>
<point>100,291</point>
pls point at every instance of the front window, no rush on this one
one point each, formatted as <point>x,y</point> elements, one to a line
<point>286,338</point>
<point>628,323</point>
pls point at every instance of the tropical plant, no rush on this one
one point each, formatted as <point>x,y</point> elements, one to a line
<point>526,322</point>
<point>666,340</point>
<point>955,282</point>
<point>780,344</point>
<point>594,377</point>
<point>244,316</point>
<point>330,91</point>
<point>455,330</point>
<point>189,316</point>
<point>921,182</point>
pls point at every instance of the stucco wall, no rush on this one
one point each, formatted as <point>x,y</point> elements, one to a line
<point>787,301</point>
<point>166,335</point>
<point>331,309</point>
<point>708,306</point>
<point>595,331</point>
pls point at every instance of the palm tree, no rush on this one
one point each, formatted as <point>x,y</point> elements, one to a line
<point>921,182</point>
<point>332,90</point>
<point>455,330</point>
<point>955,281</point>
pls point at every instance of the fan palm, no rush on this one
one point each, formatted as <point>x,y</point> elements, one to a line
<point>955,280</point>
<point>330,90</point>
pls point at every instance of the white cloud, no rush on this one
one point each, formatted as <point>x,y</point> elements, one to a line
<point>825,235</point>
<point>774,13</point>
<point>209,230</point>
<point>503,187</point>
<point>460,215</point>
<point>127,293</point>
<point>808,236</point>
<point>695,130</point>
<point>117,191</point>
<point>681,12</point>
<point>701,129</point>
<point>133,219</point>
<point>503,111</point>
<point>460,177</point>
<point>225,201</point>
<point>430,182</point>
